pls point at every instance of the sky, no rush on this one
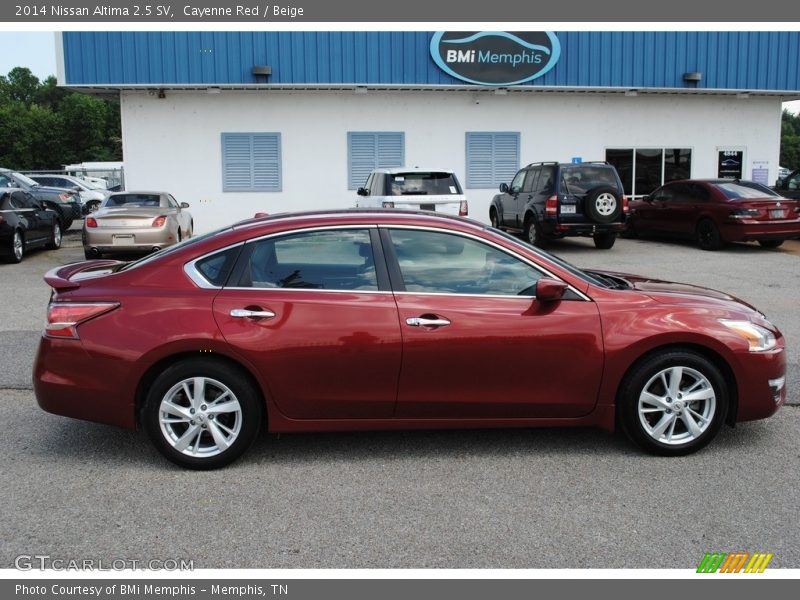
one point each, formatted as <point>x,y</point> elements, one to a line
<point>36,50</point>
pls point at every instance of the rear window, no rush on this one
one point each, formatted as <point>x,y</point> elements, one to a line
<point>579,180</point>
<point>744,190</point>
<point>423,184</point>
<point>140,200</point>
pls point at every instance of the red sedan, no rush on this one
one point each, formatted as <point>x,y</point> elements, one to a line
<point>717,211</point>
<point>360,320</point>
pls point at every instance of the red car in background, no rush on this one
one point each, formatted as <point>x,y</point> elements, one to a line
<point>716,211</point>
<point>359,320</point>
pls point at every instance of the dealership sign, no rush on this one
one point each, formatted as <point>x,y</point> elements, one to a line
<point>495,57</point>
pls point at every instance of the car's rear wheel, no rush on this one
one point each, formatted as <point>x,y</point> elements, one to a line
<point>604,241</point>
<point>603,204</point>
<point>770,243</point>
<point>673,403</point>
<point>531,232</point>
<point>202,414</point>
<point>708,237</point>
<point>55,237</point>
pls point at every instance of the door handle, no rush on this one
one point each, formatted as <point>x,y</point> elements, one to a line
<point>423,322</point>
<point>243,313</point>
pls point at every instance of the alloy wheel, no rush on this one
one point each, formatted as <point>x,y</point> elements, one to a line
<point>606,204</point>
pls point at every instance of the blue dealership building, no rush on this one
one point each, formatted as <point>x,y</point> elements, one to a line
<point>240,122</point>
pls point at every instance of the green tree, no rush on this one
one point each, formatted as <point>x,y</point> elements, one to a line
<point>790,140</point>
<point>43,126</point>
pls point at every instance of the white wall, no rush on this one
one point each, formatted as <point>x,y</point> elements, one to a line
<point>173,144</point>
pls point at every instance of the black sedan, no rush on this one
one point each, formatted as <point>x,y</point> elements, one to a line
<point>26,223</point>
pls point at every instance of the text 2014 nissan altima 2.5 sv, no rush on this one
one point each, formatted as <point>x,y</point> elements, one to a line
<point>387,319</point>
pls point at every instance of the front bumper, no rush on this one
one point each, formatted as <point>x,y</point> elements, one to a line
<point>761,381</point>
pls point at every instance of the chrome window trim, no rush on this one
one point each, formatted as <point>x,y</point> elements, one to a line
<point>197,278</point>
<point>193,273</point>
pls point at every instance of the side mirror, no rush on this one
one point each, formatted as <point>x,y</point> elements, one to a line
<point>362,191</point>
<point>504,188</point>
<point>76,188</point>
<point>550,290</point>
<point>184,205</point>
<point>647,198</point>
<point>781,183</point>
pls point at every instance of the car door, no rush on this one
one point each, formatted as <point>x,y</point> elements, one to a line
<point>678,216</point>
<point>314,314</point>
<point>791,186</point>
<point>32,213</point>
<point>511,201</point>
<point>476,343</point>
<point>652,216</point>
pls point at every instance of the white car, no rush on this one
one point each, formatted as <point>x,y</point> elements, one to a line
<point>91,196</point>
<point>437,190</point>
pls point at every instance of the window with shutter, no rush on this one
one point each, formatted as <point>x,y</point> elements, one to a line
<point>492,158</point>
<point>372,150</point>
<point>251,162</point>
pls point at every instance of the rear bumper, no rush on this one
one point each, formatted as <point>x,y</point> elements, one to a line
<point>127,240</point>
<point>64,386</point>
<point>758,230</point>
<point>553,227</point>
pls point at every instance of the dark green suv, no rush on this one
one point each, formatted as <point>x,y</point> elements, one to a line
<point>551,200</point>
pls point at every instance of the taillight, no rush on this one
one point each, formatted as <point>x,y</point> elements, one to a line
<point>744,213</point>
<point>63,318</point>
<point>2,220</point>
<point>625,207</point>
<point>64,196</point>
<point>463,208</point>
<point>91,222</point>
<point>159,221</point>
<point>387,204</point>
<point>551,206</point>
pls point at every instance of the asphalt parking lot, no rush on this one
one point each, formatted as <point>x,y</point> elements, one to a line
<point>553,498</point>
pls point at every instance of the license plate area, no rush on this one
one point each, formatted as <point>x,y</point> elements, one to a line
<point>568,209</point>
<point>122,240</point>
<point>427,207</point>
<point>776,213</point>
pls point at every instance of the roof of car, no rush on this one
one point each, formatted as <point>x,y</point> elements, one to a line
<point>396,170</point>
<point>373,214</point>
<point>138,192</point>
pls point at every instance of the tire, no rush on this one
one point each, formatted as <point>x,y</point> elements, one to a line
<point>196,437</point>
<point>770,243</point>
<point>708,237</point>
<point>91,255</point>
<point>65,212</point>
<point>55,237</point>
<point>17,249</point>
<point>603,204</point>
<point>532,233</point>
<point>493,219</point>
<point>658,417</point>
<point>604,241</point>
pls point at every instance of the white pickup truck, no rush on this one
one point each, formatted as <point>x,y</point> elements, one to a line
<point>436,190</point>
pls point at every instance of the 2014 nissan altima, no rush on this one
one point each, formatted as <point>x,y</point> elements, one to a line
<point>393,320</point>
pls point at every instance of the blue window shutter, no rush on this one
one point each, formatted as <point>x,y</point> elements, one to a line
<point>372,150</point>
<point>251,162</point>
<point>492,158</point>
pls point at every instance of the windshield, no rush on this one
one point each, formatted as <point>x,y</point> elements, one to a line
<point>745,190</point>
<point>423,184</point>
<point>170,249</point>
<point>25,179</point>
<point>133,201</point>
<point>554,259</point>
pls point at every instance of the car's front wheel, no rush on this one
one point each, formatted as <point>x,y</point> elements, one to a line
<point>494,219</point>
<point>673,403</point>
<point>202,414</point>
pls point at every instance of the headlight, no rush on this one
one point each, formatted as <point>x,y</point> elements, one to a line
<point>759,338</point>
